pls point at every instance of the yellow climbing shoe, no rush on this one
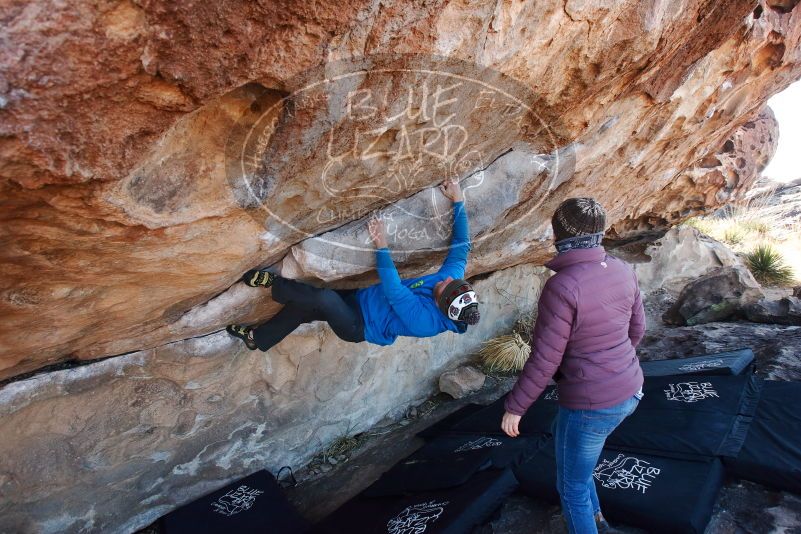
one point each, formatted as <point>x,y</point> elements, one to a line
<point>243,333</point>
<point>258,278</point>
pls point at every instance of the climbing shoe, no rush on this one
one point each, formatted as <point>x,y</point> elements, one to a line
<point>243,333</point>
<point>258,278</point>
<point>604,527</point>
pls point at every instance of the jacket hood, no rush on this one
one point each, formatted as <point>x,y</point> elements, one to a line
<point>578,255</point>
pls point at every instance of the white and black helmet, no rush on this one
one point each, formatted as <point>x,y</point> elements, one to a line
<point>458,302</point>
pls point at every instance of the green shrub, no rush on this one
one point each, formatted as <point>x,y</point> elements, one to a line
<point>768,267</point>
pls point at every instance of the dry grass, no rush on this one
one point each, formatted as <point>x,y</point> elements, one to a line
<point>343,446</point>
<point>505,354</point>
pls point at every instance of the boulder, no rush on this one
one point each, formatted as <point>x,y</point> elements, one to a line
<point>151,152</point>
<point>112,445</point>
<point>461,381</point>
<point>786,311</point>
<point>714,297</point>
<point>680,256</point>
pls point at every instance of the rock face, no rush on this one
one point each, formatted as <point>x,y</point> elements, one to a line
<point>786,311</point>
<point>680,256</point>
<point>716,179</point>
<point>715,297</point>
<point>461,381</point>
<point>151,152</point>
<point>111,446</point>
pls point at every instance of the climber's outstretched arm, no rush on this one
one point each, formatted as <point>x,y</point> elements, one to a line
<point>402,299</point>
<point>456,261</point>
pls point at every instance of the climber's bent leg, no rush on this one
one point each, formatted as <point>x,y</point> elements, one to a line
<point>282,324</point>
<point>305,303</point>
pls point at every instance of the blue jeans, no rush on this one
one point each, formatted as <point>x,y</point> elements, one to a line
<point>579,436</point>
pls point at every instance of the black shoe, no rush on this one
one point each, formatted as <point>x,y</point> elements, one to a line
<point>605,528</point>
<point>258,278</point>
<point>243,333</point>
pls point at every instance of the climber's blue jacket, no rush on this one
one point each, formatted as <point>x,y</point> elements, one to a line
<point>398,307</point>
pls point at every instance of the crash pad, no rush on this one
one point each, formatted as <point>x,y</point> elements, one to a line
<point>655,493</point>
<point>253,504</point>
<point>722,363</point>
<point>690,416</point>
<point>445,511</point>
<point>771,454</point>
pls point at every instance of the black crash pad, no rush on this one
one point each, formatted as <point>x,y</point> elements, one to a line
<point>690,416</point>
<point>416,475</point>
<point>254,504</point>
<point>651,492</point>
<point>448,511</point>
<point>447,462</point>
<point>448,421</point>
<point>722,363</point>
<point>487,420</point>
<point>771,454</point>
<point>502,451</point>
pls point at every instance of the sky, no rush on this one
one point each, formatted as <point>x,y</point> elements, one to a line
<point>786,163</point>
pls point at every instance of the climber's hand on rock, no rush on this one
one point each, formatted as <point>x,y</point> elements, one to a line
<point>510,424</point>
<point>452,190</point>
<point>377,233</point>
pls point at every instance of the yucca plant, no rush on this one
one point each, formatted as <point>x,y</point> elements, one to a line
<point>505,354</point>
<point>768,267</point>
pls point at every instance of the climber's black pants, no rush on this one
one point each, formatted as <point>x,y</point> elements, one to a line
<point>303,304</point>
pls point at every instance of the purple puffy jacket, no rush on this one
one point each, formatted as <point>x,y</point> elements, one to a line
<point>589,322</point>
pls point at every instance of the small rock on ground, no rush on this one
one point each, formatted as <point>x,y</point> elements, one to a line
<point>461,381</point>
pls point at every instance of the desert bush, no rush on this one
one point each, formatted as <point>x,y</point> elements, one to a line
<point>759,226</point>
<point>734,235</point>
<point>705,226</point>
<point>768,267</point>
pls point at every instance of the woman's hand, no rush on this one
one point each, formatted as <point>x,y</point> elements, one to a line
<point>377,233</point>
<point>510,424</point>
<point>452,190</point>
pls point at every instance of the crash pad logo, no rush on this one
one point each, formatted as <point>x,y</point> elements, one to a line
<point>236,501</point>
<point>690,391</point>
<point>700,366</point>
<point>626,472</point>
<point>417,518</point>
<point>373,136</point>
<point>480,443</point>
<point>552,395</point>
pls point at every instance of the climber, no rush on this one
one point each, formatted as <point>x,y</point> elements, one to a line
<point>420,307</point>
<point>589,323</point>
